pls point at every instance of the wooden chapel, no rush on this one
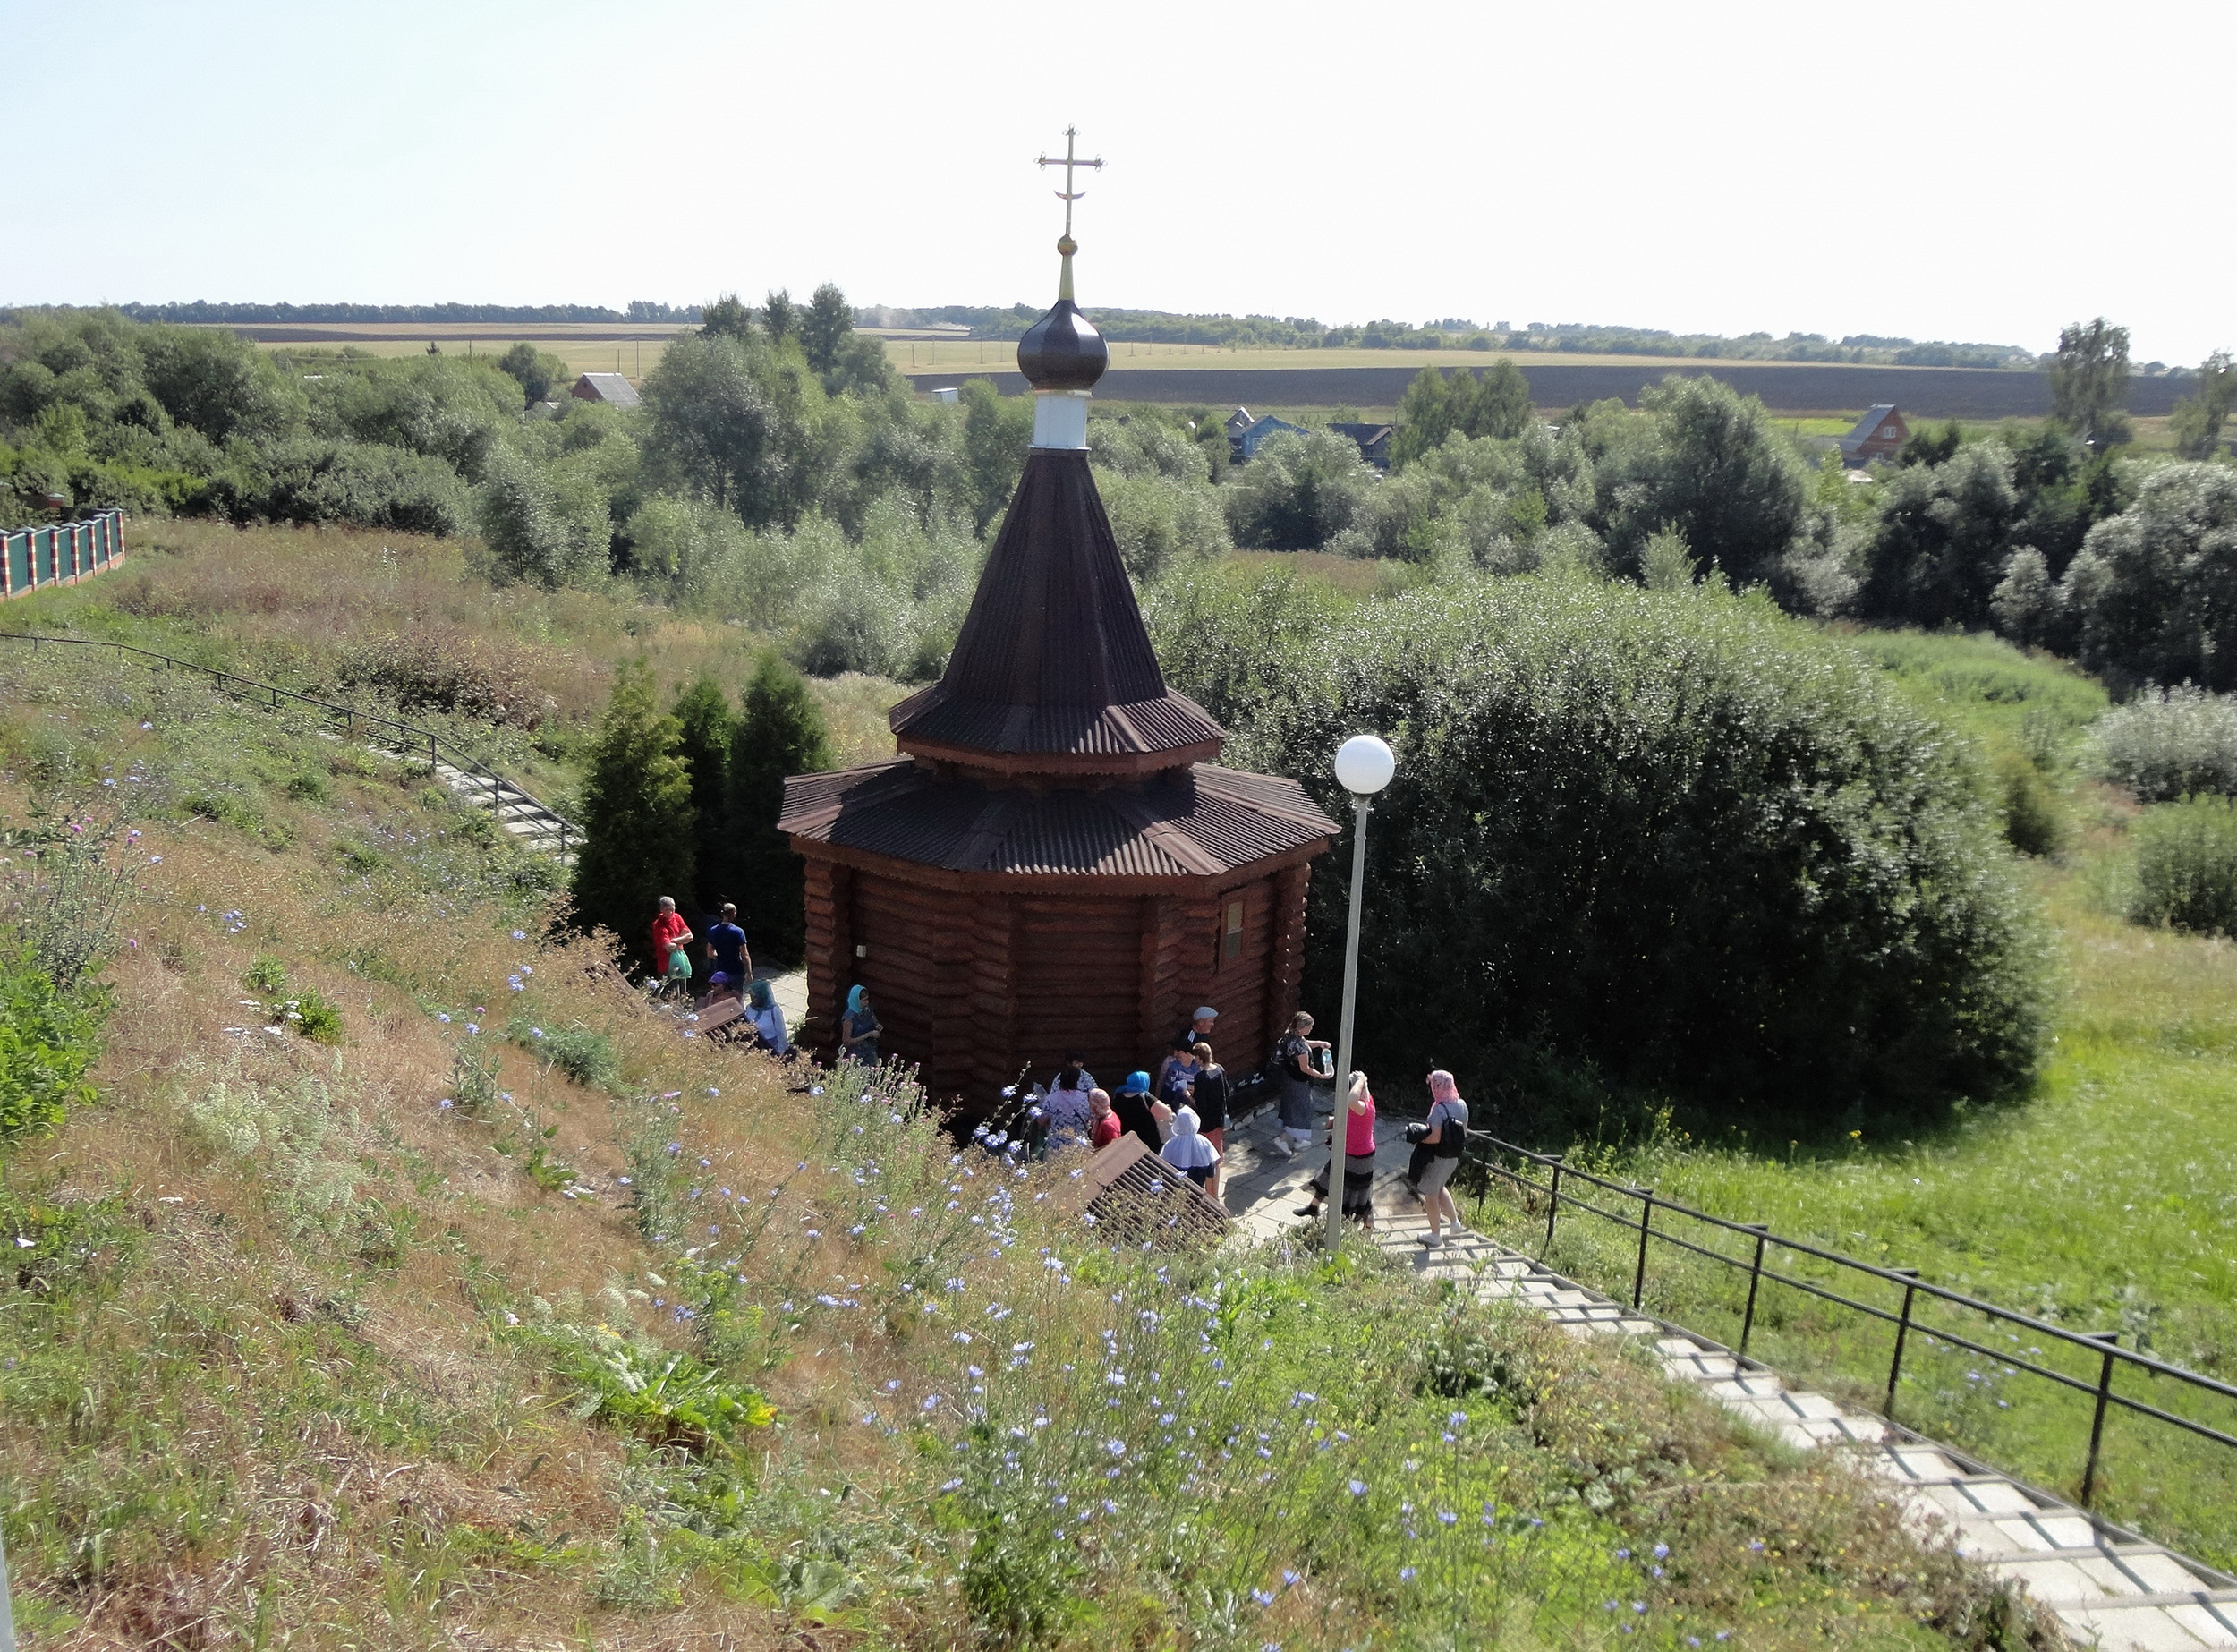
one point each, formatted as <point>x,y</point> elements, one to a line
<point>1054,861</point>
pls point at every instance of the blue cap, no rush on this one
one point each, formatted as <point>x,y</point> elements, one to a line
<point>1138,1084</point>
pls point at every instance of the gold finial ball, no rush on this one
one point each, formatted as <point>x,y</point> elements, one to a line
<point>1067,245</point>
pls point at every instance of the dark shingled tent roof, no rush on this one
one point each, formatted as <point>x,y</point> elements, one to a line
<point>1203,820</point>
<point>1053,656</point>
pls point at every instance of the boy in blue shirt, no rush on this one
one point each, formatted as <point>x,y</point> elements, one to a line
<point>726,947</point>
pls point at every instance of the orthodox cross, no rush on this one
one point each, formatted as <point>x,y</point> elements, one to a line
<point>1067,194</point>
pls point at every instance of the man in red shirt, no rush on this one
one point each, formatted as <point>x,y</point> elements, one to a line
<point>668,931</point>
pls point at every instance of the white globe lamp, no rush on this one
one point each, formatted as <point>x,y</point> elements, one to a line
<point>1364,765</point>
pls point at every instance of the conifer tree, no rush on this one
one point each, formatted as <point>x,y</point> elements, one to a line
<point>706,725</point>
<point>780,732</point>
<point>636,817</point>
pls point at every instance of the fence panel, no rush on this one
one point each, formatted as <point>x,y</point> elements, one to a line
<point>61,554</point>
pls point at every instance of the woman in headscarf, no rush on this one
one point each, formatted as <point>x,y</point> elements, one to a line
<point>1065,1104</point>
<point>1188,1152</point>
<point>859,1028</point>
<point>768,1020</point>
<point>1447,1137</point>
<point>1358,1118</point>
<point>1135,1110</point>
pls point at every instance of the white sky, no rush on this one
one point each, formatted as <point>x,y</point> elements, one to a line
<point>1957,170</point>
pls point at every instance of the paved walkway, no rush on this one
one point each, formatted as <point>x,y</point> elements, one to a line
<point>2109,1591</point>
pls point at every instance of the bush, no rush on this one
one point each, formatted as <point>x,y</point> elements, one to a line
<point>548,527</point>
<point>2033,822</point>
<point>1676,840</point>
<point>314,1016</point>
<point>2153,589</point>
<point>2186,866</point>
<point>584,1056</point>
<point>1297,492</point>
<point>637,822</point>
<point>48,1039</point>
<point>2171,742</point>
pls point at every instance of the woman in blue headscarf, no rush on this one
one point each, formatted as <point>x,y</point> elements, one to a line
<point>768,1020</point>
<point>859,1028</point>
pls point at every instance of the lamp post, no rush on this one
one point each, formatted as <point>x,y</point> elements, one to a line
<point>1363,767</point>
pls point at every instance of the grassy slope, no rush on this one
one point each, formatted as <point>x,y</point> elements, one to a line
<point>2103,1202</point>
<point>297,1356</point>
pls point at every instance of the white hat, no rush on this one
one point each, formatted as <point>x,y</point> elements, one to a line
<point>1205,1012</point>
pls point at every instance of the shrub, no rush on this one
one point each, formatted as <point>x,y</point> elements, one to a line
<point>548,527</point>
<point>2153,589</point>
<point>1297,492</point>
<point>2170,742</point>
<point>266,975</point>
<point>636,816</point>
<point>48,1039</point>
<point>2033,823</point>
<point>67,894</point>
<point>442,669</point>
<point>315,1015</point>
<point>1682,806</point>
<point>2186,866</point>
<point>315,479</point>
<point>584,1056</point>
<point>780,731</point>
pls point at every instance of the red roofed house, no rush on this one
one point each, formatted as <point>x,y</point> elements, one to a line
<point>1055,861</point>
<point>1879,435</point>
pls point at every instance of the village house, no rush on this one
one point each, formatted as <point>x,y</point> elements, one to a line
<point>1877,437</point>
<point>610,388</point>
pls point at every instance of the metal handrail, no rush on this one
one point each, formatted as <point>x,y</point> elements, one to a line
<point>436,744</point>
<point>2102,1345</point>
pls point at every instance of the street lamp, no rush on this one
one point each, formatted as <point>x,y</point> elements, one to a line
<point>1363,767</point>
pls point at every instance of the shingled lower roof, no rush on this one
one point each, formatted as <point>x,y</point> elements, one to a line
<point>1200,821</point>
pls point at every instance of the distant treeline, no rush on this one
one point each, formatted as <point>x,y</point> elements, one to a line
<point>1455,333</point>
<point>203,311</point>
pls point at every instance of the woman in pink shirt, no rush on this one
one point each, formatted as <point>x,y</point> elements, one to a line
<point>1358,1158</point>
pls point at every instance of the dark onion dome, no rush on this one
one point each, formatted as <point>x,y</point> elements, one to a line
<point>1063,351</point>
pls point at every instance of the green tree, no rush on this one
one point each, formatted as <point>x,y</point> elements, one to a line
<point>707,726</point>
<point>545,526</point>
<point>1930,447</point>
<point>2198,421</point>
<point>726,317</point>
<point>724,422</point>
<point>1684,804</point>
<point>1943,542</point>
<point>997,429</point>
<point>780,316</point>
<point>1719,475</point>
<point>2089,378</point>
<point>1299,491</point>
<point>2153,589</point>
<point>780,731</point>
<point>825,328</point>
<point>539,372</point>
<point>1494,401</point>
<point>637,819</point>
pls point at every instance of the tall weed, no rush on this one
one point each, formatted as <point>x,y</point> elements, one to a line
<point>2186,866</point>
<point>2168,743</point>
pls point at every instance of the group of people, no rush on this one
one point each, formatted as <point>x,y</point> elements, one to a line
<point>1181,1114</point>
<point>729,971</point>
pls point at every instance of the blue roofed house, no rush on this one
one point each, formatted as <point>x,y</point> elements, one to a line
<point>1256,434</point>
<point>1879,435</point>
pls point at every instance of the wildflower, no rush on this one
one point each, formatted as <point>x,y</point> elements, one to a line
<point>948,1486</point>
<point>1358,1488</point>
<point>1117,1448</point>
<point>894,1387</point>
<point>1446,1517</point>
<point>1662,1550</point>
<point>1406,1574</point>
<point>1289,1577</point>
<point>713,1091</point>
<point>1263,1596</point>
<point>470,1028</point>
<point>931,1401</point>
<point>445,1020</point>
<point>623,1180</point>
<point>446,1101</point>
<point>535,1032</point>
<point>520,934</point>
